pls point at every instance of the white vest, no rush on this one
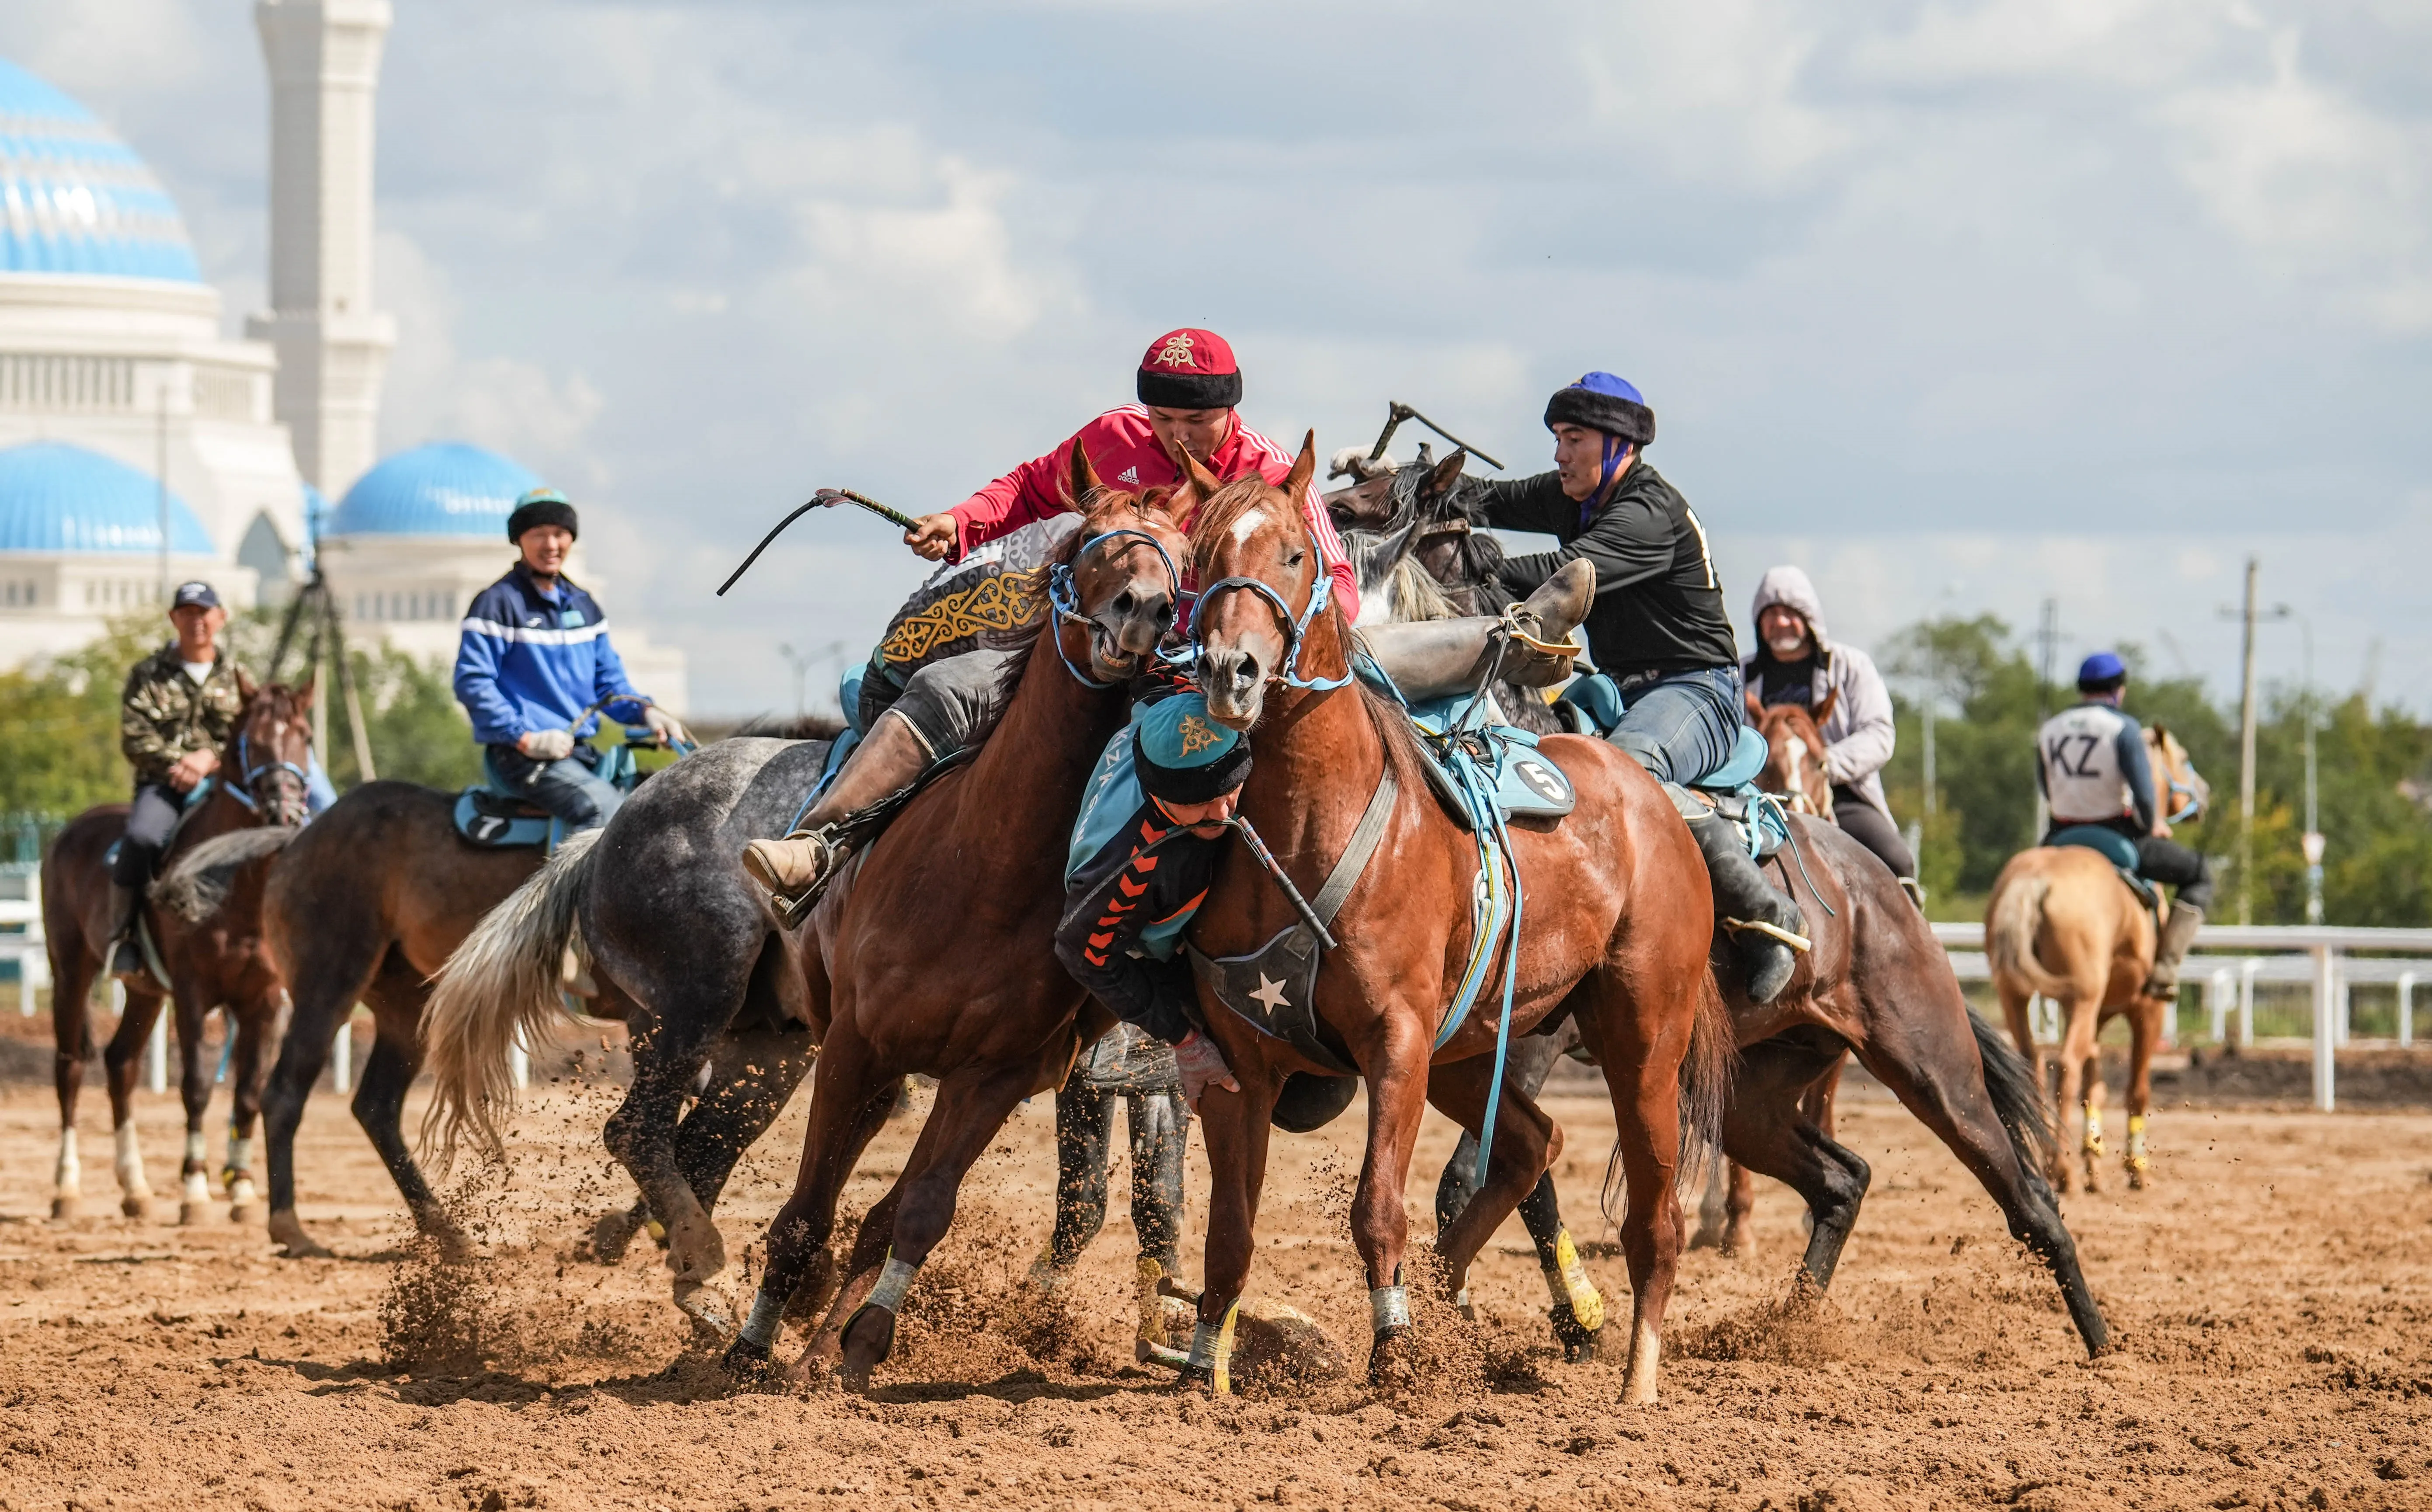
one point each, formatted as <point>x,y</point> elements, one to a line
<point>2078,751</point>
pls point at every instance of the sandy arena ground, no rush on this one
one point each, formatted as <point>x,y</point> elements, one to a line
<point>2270,1301</point>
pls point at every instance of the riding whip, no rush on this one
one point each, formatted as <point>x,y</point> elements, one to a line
<point>893,517</point>
<point>1400,412</point>
<point>1241,825</point>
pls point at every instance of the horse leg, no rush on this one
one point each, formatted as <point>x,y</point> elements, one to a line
<point>254,1024</point>
<point>1770,1130</point>
<point>195,1091</point>
<point>1642,1054</point>
<point>1739,1204</point>
<point>972,1105</point>
<point>122,1061</point>
<point>1159,1127</point>
<point>751,1078</point>
<point>2081,1085</point>
<point>850,1099</point>
<point>1983,1105</point>
<point>379,1108</point>
<point>669,1056</point>
<point>1236,1128</point>
<point>322,999</point>
<point>71,1034</point>
<point>1535,1143</point>
<point>1085,1120</point>
<point>1397,1094</point>
<point>2144,1032</point>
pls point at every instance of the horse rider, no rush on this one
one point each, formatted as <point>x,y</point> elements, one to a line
<point>532,660</point>
<point>181,705</point>
<point>1658,628</point>
<point>1796,661</point>
<point>1189,385</point>
<point>2092,769</point>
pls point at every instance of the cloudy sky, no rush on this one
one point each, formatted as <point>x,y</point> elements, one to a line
<point>1960,305</point>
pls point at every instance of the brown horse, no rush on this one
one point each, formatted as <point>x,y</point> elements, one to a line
<point>212,962</point>
<point>2062,924</point>
<point>1611,935</point>
<point>934,955</point>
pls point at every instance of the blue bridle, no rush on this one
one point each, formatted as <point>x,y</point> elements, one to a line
<point>248,775</point>
<point>1064,595</point>
<point>1295,626</point>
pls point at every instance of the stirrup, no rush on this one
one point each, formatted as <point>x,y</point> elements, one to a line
<point>791,907</point>
<point>1795,941</point>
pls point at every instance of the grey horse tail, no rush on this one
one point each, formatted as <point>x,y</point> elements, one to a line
<point>502,987</point>
<point>200,880</point>
<point>2017,1101</point>
<point>1708,1073</point>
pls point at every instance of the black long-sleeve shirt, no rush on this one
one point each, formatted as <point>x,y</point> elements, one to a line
<point>1659,605</point>
<point>1126,902</point>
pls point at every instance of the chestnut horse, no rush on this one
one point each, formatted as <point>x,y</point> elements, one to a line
<point>934,954</point>
<point>2062,924</point>
<point>1615,923</point>
<point>212,962</point>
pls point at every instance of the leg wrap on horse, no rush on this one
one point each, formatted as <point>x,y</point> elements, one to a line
<point>1389,1308</point>
<point>894,1281</point>
<point>760,1328</point>
<point>1211,1351</point>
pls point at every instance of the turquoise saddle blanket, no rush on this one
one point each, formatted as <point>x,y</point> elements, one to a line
<point>1594,704</point>
<point>1525,781</point>
<point>2112,846</point>
<point>496,815</point>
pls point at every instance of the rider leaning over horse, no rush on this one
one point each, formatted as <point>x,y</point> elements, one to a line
<point>1658,628</point>
<point>1798,662</point>
<point>2093,770</point>
<point>532,660</point>
<point>1188,384</point>
<point>180,705</point>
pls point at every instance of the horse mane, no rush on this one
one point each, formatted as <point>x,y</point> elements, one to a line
<point>1394,731</point>
<point>790,727</point>
<point>198,882</point>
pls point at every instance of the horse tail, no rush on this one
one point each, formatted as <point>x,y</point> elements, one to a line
<point>199,881</point>
<point>501,988</point>
<point>1708,1073</point>
<point>2017,1101</point>
<point>2010,935</point>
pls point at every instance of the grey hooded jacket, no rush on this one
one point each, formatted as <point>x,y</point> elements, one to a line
<point>1858,738</point>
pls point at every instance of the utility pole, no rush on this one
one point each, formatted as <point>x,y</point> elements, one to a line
<point>2246,756</point>
<point>2047,646</point>
<point>2312,841</point>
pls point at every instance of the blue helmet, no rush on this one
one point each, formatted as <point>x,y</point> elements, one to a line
<point>2100,672</point>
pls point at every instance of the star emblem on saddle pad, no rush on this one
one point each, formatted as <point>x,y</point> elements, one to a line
<point>1129,475</point>
<point>1196,735</point>
<point>1271,993</point>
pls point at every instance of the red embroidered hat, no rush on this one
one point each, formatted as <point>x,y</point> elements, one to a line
<point>1190,369</point>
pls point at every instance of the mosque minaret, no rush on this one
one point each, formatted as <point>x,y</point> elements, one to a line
<point>332,344</point>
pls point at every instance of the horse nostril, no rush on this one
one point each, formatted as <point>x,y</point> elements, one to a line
<point>1124,602</point>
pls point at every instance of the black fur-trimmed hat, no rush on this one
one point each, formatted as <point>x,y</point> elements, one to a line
<point>540,506</point>
<point>1604,403</point>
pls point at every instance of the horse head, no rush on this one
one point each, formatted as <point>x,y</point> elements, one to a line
<point>1126,581</point>
<point>1261,587</point>
<point>2186,793</point>
<point>1794,742</point>
<point>265,764</point>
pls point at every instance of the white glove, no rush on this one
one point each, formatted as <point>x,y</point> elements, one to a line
<point>1202,1067</point>
<point>545,745</point>
<point>664,726</point>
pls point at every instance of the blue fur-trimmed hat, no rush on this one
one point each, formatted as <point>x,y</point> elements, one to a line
<point>1600,401</point>
<point>1184,756</point>
<point>540,506</point>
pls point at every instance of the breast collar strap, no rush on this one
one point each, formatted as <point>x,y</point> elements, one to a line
<point>1064,596</point>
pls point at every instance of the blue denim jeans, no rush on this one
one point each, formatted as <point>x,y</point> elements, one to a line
<point>1681,726</point>
<point>568,787</point>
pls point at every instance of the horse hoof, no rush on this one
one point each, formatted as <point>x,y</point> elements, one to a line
<point>138,1207</point>
<point>708,1308</point>
<point>66,1209</point>
<point>613,1235</point>
<point>1578,1344</point>
<point>293,1244</point>
<point>241,1212</point>
<point>1196,1378</point>
<point>1391,1366</point>
<point>745,1360</point>
<point>869,1339</point>
<point>2137,1176</point>
<point>191,1214</point>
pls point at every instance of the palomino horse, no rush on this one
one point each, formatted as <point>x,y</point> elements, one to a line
<point>2062,924</point>
<point>214,962</point>
<point>934,955</point>
<point>1610,934</point>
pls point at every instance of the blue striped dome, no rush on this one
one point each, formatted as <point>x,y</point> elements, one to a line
<point>441,488</point>
<point>55,497</point>
<point>76,200</point>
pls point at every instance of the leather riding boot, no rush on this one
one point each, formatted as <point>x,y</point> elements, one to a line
<point>1761,922</point>
<point>2172,948</point>
<point>1439,658</point>
<point>126,956</point>
<point>797,870</point>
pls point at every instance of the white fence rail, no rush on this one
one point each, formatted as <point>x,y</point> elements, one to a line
<point>2231,959</point>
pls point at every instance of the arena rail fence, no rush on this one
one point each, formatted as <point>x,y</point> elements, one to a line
<point>2230,959</point>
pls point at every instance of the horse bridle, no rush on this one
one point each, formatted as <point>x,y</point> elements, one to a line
<point>1064,594</point>
<point>248,774</point>
<point>1295,626</point>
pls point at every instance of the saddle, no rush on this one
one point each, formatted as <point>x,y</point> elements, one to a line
<point>2114,847</point>
<point>1593,705</point>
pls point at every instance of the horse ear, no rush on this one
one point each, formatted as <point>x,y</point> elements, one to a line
<point>245,688</point>
<point>1755,704</point>
<point>1304,467</point>
<point>1447,472</point>
<point>304,695</point>
<point>1824,710</point>
<point>1195,474</point>
<point>1084,478</point>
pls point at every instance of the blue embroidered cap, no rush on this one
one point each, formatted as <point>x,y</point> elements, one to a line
<point>1184,755</point>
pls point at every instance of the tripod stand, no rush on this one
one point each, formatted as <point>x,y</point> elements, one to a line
<point>315,604</point>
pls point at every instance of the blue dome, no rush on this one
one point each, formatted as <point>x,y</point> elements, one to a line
<point>55,497</point>
<point>76,200</point>
<point>443,488</point>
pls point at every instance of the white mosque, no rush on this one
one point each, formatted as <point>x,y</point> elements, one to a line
<point>140,446</point>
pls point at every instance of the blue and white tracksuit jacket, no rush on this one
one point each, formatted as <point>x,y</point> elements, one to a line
<point>529,660</point>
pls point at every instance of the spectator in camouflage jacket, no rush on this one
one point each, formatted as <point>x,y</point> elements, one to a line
<point>181,704</point>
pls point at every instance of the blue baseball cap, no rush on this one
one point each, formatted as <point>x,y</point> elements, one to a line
<point>2102,667</point>
<point>1183,756</point>
<point>197,595</point>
